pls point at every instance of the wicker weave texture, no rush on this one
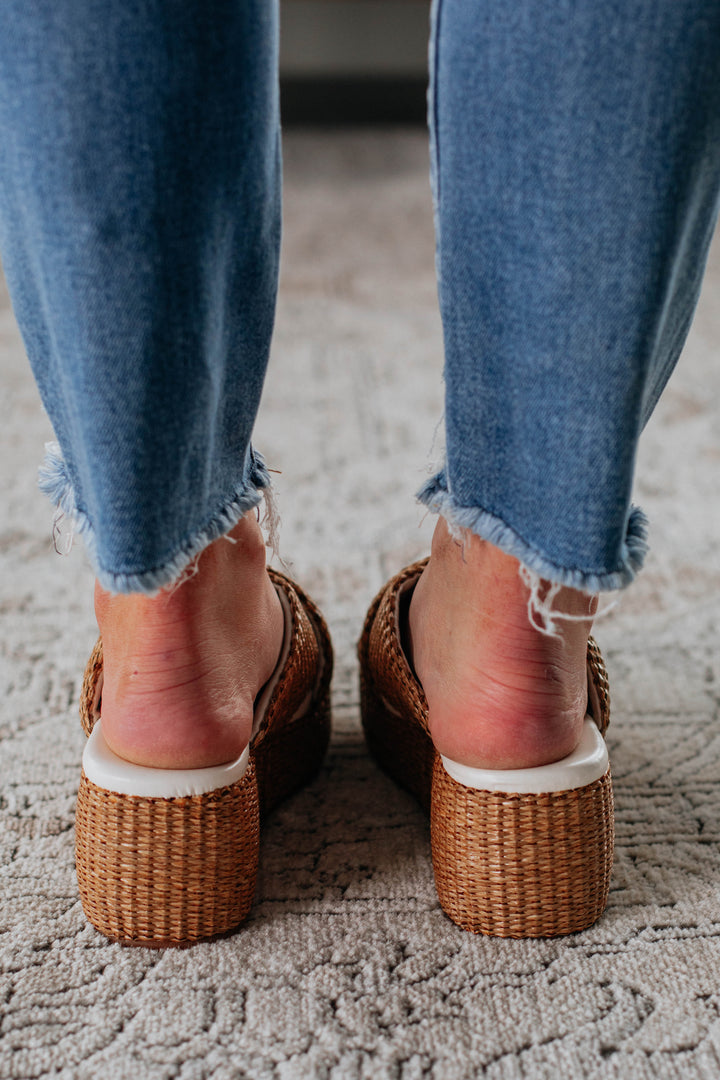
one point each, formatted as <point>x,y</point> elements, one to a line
<point>167,871</point>
<point>598,676</point>
<point>291,758</point>
<point>404,751</point>
<point>290,747</point>
<point>91,687</point>
<point>507,865</point>
<point>521,866</point>
<point>390,694</point>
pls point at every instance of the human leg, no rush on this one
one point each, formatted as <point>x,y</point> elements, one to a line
<point>576,158</point>
<point>576,161</point>
<point>139,218</point>
<point>577,165</point>
<point>140,234</point>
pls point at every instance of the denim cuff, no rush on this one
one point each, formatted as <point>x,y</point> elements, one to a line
<point>55,482</point>
<point>435,494</point>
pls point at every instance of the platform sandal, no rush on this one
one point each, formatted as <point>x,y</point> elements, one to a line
<point>516,853</point>
<point>169,857</point>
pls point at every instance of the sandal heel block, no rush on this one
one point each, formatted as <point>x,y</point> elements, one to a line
<point>522,864</point>
<point>160,870</point>
<point>516,853</point>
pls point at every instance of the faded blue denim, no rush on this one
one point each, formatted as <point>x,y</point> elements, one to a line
<point>576,170</point>
<point>140,231</point>
<point>575,162</point>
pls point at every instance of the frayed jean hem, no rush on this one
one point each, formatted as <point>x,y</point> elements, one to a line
<point>435,495</point>
<point>54,481</point>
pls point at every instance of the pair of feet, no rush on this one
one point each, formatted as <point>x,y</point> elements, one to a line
<point>182,669</point>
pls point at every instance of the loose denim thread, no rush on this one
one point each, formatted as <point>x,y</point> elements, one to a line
<point>54,481</point>
<point>62,540</point>
<point>543,617</point>
<point>270,522</point>
<point>541,614</point>
<point>536,572</point>
<point>189,572</point>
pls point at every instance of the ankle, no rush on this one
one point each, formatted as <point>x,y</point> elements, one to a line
<point>182,668</point>
<point>241,549</point>
<point>500,693</point>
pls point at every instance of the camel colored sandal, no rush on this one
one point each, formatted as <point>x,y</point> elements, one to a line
<point>516,853</point>
<point>169,857</point>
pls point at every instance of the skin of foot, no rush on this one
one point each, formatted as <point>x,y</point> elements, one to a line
<point>182,668</point>
<point>500,694</point>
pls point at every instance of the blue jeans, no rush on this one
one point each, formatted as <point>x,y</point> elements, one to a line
<point>576,163</point>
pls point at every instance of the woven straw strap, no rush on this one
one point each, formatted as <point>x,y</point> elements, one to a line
<point>308,668</point>
<point>380,648</point>
<point>91,689</point>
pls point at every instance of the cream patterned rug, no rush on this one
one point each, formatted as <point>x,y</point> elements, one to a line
<point>348,968</point>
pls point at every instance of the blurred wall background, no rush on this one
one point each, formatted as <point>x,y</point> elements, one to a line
<point>354,61</point>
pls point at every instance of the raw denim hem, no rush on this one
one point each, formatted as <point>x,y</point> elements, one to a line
<point>435,495</point>
<point>54,481</point>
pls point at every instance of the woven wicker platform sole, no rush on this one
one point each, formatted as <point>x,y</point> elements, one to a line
<point>158,870</point>
<point>515,864</point>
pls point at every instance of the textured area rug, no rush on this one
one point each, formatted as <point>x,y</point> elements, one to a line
<point>347,967</point>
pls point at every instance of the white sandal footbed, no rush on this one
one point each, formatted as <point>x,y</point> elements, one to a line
<point>587,762</point>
